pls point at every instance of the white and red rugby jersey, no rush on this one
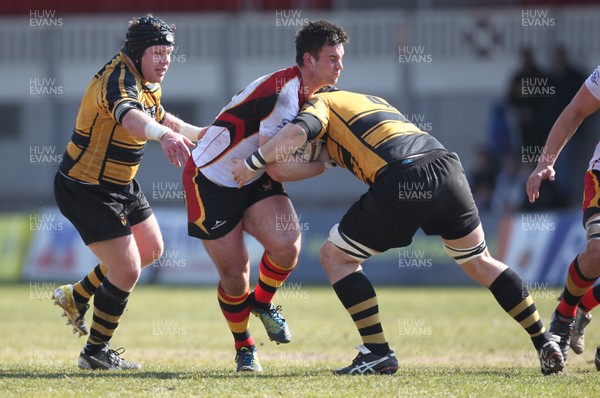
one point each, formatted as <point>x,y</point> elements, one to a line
<point>262,108</point>
<point>593,84</point>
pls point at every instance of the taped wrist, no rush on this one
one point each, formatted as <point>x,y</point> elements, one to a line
<point>189,131</point>
<point>256,161</point>
<point>155,131</point>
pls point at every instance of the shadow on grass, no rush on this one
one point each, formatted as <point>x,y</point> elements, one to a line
<point>160,375</point>
<point>406,373</point>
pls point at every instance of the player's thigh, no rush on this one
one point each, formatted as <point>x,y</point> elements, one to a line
<point>274,223</point>
<point>213,210</point>
<point>378,221</point>
<point>230,254</point>
<point>148,239</point>
<point>97,213</point>
<point>454,214</point>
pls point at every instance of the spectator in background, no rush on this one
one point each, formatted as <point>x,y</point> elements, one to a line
<point>483,177</point>
<point>500,137</point>
<point>527,100</point>
<point>565,79</point>
<point>508,196</point>
<point>531,93</point>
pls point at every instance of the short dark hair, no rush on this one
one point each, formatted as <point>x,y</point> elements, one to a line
<point>314,35</point>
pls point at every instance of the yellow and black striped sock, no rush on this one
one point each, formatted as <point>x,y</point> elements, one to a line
<point>513,297</point>
<point>576,287</point>
<point>109,305</point>
<point>85,288</point>
<point>357,294</point>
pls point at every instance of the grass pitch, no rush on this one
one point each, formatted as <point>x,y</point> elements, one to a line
<point>449,342</point>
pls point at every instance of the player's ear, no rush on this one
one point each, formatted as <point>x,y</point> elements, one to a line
<point>308,59</point>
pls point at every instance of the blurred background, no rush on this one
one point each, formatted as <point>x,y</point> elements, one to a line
<point>487,78</point>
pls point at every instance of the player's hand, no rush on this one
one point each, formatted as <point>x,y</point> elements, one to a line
<point>324,155</point>
<point>175,147</point>
<point>241,173</point>
<point>541,172</point>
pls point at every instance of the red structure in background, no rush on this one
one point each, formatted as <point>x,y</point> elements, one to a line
<point>556,3</point>
<point>23,7</point>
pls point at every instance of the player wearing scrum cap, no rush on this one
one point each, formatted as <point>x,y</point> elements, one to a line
<point>95,186</point>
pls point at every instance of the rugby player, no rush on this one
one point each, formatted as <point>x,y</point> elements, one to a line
<point>374,141</point>
<point>219,213</point>
<point>585,268</point>
<point>95,186</point>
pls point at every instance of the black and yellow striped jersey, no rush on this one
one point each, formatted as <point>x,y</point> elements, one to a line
<point>101,150</point>
<point>363,132</point>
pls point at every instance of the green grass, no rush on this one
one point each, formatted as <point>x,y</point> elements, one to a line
<point>450,343</point>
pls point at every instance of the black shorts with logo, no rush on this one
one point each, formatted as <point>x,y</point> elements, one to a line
<point>214,210</point>
<point>100,212</point>
<point>431,193</point>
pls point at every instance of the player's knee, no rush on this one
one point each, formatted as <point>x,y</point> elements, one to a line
<point>285,249</point>
<point>127,275</point>
<point>234,282</point>
<point>592,250</point>
<point>592,232</point>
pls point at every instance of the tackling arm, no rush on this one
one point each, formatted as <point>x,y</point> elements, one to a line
<point>290,137</point>
<point>189,131</point>
<point>286,166</point>
<point>140,125</point>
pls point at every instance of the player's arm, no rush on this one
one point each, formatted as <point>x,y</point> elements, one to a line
<point>289,167</point>
<point>581,106</point>
<point>291,137</point>
<point>191,132</point>
<point>139,124</point>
